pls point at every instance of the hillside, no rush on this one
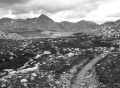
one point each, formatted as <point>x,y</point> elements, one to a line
<point>110,30</point>
<point>44,23</point>
<point>81,26</point>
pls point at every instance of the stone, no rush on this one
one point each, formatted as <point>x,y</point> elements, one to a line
<point>70,54</point>
<point>23,80</point>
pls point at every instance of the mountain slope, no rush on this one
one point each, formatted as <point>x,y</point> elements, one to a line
<point>109,29</point>
<point>81,26</point>
<point>44,23</point>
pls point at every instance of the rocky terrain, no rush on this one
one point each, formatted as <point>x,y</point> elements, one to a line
<point>109,29</point>
<point>57,62</point>
<point>14,36</point>
<point>41,53</point>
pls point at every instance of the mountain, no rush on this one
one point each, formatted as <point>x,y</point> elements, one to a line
<point>86,26</point>
<point>109,29</point>
<point>81,26</point>
<point>44,23</point>
<point>47,24</point>
<point>43,18</point>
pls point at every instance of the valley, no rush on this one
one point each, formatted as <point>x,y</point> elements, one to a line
<point>41,53</point>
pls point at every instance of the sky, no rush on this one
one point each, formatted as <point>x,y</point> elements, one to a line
<point>98,11</point>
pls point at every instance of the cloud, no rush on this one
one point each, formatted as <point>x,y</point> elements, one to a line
<point>53,6</point>
<point>115,15</point>
<point>13,5</point>
<point>65,9</point>
<point>47,6</point>
<point>105,12</point>
<point>6,2</point>
<point>59,10</point>
<point>78,12</point>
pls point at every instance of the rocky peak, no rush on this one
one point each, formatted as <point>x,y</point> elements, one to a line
<point>43,17</point>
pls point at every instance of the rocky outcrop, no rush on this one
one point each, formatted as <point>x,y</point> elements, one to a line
<point>4,35</point>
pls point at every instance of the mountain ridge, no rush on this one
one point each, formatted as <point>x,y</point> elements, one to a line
<point>45,23</point>
<point>42,23</point>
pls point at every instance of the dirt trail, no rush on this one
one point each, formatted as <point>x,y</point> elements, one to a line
<point>81,75</point>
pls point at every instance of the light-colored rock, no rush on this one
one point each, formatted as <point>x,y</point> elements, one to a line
<point>77,49</point>
<point>23,80</point>
<point>47,52</point>
<point>34,74</point>
<point>70,54</point>
<point>37,56</point>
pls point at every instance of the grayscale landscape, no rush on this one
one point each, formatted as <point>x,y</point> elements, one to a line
<point>59,44</point>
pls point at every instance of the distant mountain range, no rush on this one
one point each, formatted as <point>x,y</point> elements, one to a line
<point>44,23</point>
<point>34,26</point>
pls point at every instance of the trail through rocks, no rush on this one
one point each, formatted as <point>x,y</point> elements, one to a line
<point>81,75</point>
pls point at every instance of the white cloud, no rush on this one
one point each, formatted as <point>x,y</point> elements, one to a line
<point>105,12</point>
<point>61,10</point>
<point>31,14</point>
<point>4,13</point>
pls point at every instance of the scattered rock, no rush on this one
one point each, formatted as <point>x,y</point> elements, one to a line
<point>34,74</point>
<point>3,86</point>
<point>23,80</point>
<point>38,56</point>
<point>70,54</point>
<point>47,52</point>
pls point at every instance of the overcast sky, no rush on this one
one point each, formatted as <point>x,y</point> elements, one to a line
<point>62,10</point>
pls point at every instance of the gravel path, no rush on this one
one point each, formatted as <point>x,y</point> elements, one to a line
<point>81,75</point>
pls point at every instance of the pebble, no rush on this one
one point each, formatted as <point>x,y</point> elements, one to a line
<point>38,56</point>
<point>70,54</point>
<point>3,85</point>
<point>47,52</point>
<point>23,80</point>
<point>34,74</point>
